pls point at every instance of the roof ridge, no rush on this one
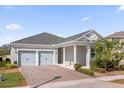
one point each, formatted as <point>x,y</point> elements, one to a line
<point>80,33</point>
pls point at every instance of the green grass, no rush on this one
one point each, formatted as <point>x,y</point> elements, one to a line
<point>12,80</point>
<point>3,63</point>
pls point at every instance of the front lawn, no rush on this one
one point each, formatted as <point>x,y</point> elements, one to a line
<point>120,81</point>
<point>12,80</point>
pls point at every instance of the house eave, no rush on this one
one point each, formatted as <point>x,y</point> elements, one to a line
<point>69,43</point>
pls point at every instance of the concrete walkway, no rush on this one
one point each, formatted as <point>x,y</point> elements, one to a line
<point>84,83</point>
<point>110,78</point>
<point>99,82</point>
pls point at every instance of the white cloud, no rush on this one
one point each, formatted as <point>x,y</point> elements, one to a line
<point>13,27</point>
<point>121,8</point>
<point>85,18</point>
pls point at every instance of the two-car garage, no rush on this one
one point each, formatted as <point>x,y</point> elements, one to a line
<point>32,58</point>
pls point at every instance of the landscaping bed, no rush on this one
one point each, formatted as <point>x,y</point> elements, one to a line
<point>119,81</point>
<point>3,63</point>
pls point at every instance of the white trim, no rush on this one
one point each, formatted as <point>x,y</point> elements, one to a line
<point>75,54</point>
<point>31,44</point>
<point>83,35</point>
<point>88,33</point>
<point>37,57</point>
<point>88,38</point>
<point>54,57</point>
<point>35,49</point>
<point>88,56</point>
<point>17,53</point>
<point>63,55</point>
<point>65,43</point>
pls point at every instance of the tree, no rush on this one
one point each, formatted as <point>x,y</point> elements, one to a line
<point>108,54</point>
<point>4,50</point>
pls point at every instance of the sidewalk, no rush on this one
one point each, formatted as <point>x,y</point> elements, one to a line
<point>110,78</point>
<point>98,82</point>
<point>84,83</point>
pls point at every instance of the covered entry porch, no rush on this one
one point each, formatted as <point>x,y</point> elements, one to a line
<point>77,53</point>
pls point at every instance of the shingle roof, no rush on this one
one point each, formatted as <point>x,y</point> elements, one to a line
<point>48,39</point>
<point>75,36</point>
<point>43,38</point>
<point>117,34</point>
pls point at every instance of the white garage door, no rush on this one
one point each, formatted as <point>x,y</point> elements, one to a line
<point>27,58</point>
<point>46,57</point>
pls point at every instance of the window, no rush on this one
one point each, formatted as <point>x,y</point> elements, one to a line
<point>92,53</point>
<point>115,39</point>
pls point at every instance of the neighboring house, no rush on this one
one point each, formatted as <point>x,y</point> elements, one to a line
<point>5,57</point>
<point>116,36</point>
<point>47,48</point>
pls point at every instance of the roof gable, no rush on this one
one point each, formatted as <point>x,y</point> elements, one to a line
<point>74,37</point>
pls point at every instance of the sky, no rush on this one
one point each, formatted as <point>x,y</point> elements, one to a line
<point>18,22</point>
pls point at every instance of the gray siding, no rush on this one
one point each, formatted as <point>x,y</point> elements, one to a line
<point>81,55</point>
<point>69,54</point>
<point>60,55</point>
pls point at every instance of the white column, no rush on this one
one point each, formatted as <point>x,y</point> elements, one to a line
<point>63,55</point>
<point>55,57</point>
<point>75,54</point>
<point>37,57</point>
<point>88,56</point>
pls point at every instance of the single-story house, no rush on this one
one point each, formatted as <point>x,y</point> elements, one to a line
<point>46,48</point>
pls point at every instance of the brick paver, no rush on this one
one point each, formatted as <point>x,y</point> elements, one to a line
<point>36,75</point>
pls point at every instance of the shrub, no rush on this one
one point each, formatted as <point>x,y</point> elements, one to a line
<point>77,66</point>
<point>86,71</point>
<point>121,67</point>
<point>3,63</point>
<point>100,70</point>
<point>93,63</point>
<point>10,66</point>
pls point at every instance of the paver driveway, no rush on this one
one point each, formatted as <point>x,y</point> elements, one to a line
<point>38,75</point>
